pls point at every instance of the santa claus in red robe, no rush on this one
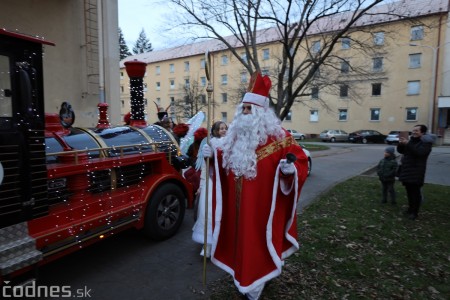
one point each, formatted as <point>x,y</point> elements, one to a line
<point>259,170</point>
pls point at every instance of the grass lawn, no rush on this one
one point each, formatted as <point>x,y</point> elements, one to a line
<point>354,247</point>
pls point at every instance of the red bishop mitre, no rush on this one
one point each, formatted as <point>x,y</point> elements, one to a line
<point>258,90</point>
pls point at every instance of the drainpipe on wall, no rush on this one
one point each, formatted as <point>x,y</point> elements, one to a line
<point>101,71</point>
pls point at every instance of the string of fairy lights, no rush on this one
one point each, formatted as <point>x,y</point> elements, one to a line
<point>118,190</point>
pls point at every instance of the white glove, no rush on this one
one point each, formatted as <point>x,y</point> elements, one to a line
<point>287,168</point>
<point>207,151</point>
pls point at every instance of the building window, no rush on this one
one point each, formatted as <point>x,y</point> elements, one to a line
<point>186,66</point>
<point>224,97</point>
<point>266,54</point>
<point>145,86</point>
<point>224,117</point>
<point>376,89</point>
<point>289,116</point>
<point>172,68</point>
<point>224,79</point>
<point>314,115</point>
<point>415,60</point>
<point>416,33</point>
<point>202,63</point>
<point>244,77</point>
<point>121,75</point>
<point>378,38</point>
<point>122,89</point>
<point>345,67</point>
<point>158,86</point>
<point>158,100</point>
<point>315,46</point>
<point>172,84</point>
<point>411,114</point>
<point>158,70</point>
<point>187,83</point>
<point>123,103</point>
<point>374,114</point>
<point>345,43</point>
<point>414,87</point>
<point>343,115</point>
<point>203,99</point>
<point>315,93</point>
<point>377,64</point>
<point>265,71</point>
<point>343,91</point>
<point>224,60</point>
<point>244,57</point>
<point>286,73</point>
<point>203,81</point>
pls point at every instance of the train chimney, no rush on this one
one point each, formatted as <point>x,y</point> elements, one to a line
<point>136,71</point>
<point>103,121</point>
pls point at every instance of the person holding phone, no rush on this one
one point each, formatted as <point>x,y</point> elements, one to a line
<point>413,166</point>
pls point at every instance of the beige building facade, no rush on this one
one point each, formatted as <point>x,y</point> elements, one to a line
<point>400,82</point>
<point>82,66</point>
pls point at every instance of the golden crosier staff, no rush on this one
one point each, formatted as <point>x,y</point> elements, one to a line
<point>209,90</point>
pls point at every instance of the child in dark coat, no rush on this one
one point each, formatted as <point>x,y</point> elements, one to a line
<point>386,171</point>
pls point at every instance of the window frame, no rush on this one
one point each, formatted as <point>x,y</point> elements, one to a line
<point>376,85</point>
<point>340,111</point>
<point>410,89</point>
<point>416,113</point>
<point>378,38</point>
<point>345,43</point>
<point>417,33</point>
<point>418,57</point>
<point>266,54</point>
<point>343,90</point>
<point>377,61</point>
<point>375,112</point>
<point>312,113</point>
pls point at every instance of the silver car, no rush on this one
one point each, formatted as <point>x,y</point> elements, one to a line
<point>297,135</point>
<point>334,135</point>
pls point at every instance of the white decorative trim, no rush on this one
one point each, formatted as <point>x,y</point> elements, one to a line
<point>256,99</point>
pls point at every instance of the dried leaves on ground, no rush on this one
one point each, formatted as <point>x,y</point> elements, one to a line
<point>355,247</point>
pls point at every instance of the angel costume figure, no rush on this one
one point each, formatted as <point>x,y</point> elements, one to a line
<point>255,193</point>
<point>218,130</point>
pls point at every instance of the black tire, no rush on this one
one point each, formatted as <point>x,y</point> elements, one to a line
<point>364,141</point>
<point>165,212</point>
<point>302,137</point>
<point>333,140</point>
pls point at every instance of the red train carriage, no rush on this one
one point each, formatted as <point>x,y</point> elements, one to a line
<point>64,188</point>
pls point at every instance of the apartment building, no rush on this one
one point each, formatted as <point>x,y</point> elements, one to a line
<point>82,66</point>
<point>398,81</point>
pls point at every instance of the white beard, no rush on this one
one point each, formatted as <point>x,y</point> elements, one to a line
<point>240,155</point>
<point>244,135</point>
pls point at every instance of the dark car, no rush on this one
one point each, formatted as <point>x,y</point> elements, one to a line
<point>366,136</point>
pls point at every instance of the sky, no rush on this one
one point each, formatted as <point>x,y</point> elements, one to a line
<point>150,15</point>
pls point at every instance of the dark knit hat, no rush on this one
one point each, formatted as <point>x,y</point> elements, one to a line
<point>390,150</point>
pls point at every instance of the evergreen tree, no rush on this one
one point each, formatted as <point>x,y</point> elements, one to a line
<point>123,48</point>
<point>142,44</point>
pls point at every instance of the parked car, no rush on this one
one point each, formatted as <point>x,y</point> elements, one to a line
<point>366,136</point>
<point>393,137</point>
<point>308,154</point>
<point>297,135</point>
<point>334,135</point>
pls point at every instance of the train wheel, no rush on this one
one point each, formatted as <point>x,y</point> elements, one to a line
<point>165,212</point>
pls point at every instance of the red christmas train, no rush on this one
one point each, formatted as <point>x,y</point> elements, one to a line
<point>62,188</point>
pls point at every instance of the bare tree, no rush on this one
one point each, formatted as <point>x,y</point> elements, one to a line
<point>191,101</point>
<point>307,31</point>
